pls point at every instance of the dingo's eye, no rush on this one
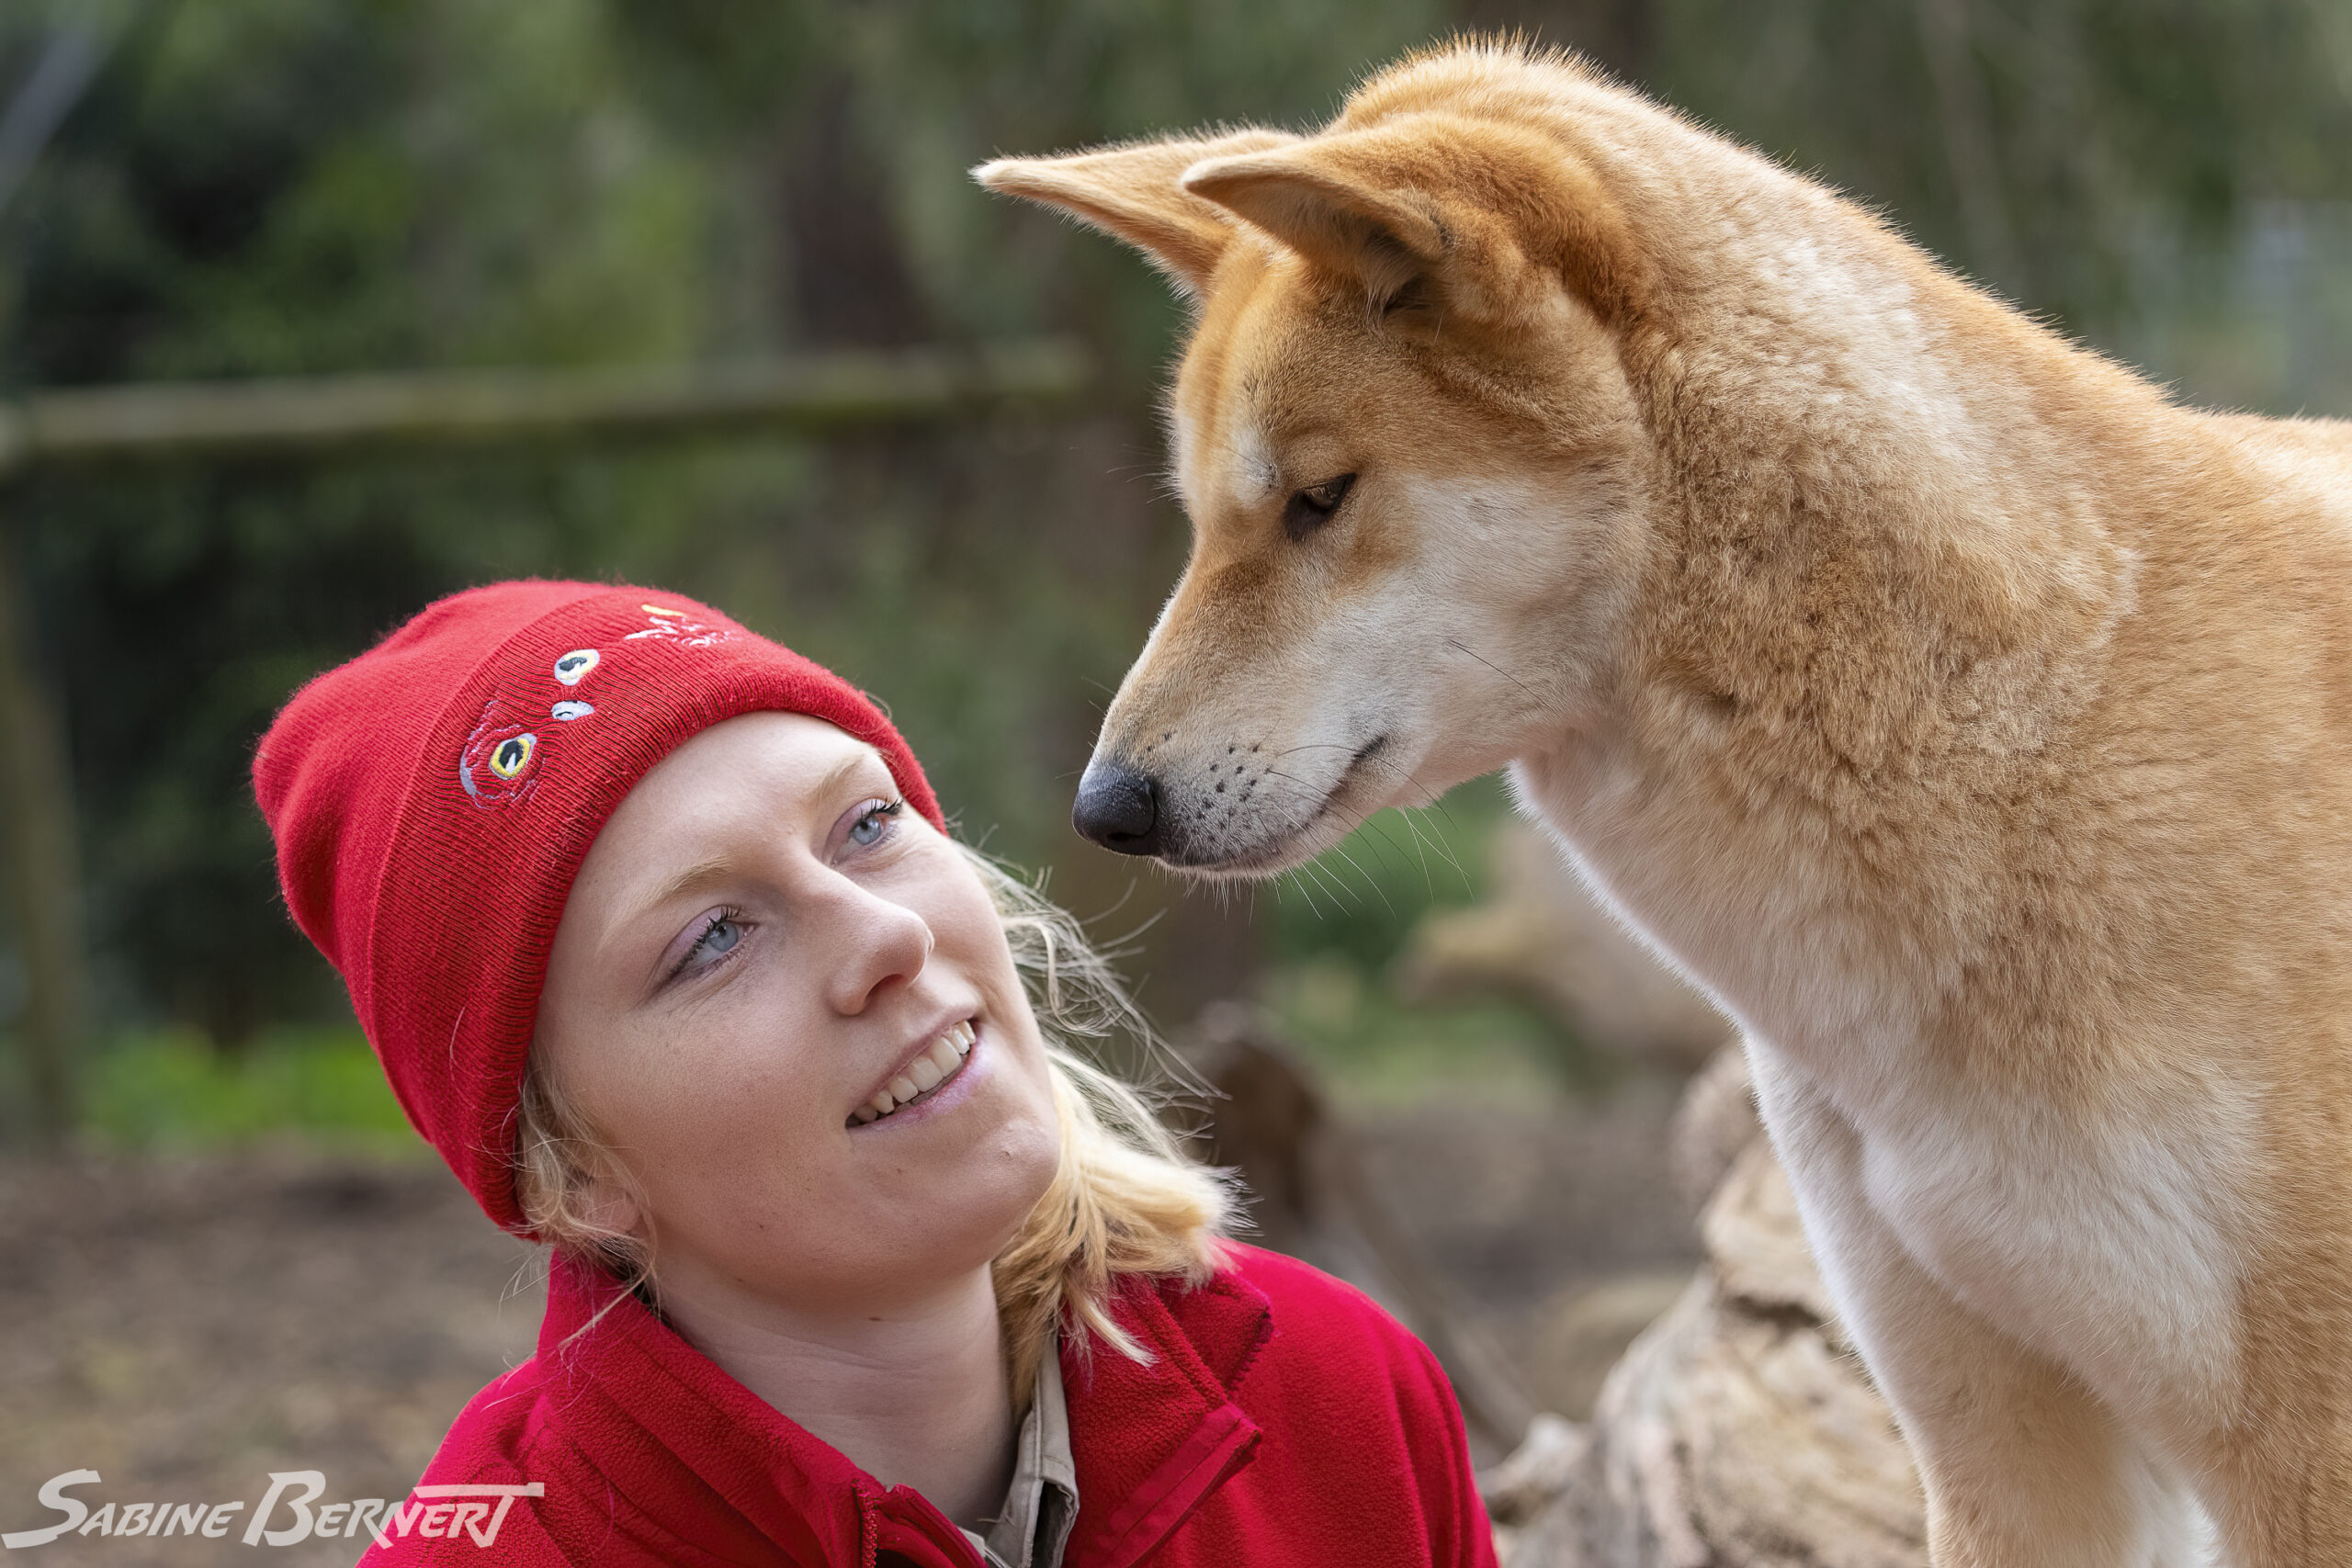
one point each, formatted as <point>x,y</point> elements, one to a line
<point>1310,508</point>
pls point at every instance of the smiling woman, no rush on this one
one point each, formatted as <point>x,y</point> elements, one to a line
<point>662,939</point>
<point>628,1081</point>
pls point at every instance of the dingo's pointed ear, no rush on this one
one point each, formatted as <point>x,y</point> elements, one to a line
<point>1133,193</point>
<point>1436,217</point>
<point>1312,201</point>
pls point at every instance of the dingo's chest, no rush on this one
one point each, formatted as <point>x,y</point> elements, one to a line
<point>2104,1232</point>
<point>2113,1248</point>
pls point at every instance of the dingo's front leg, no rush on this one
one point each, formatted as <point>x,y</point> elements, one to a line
<point>2023,1466</point>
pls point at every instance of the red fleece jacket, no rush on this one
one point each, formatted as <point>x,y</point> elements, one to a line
<point>1284,1421</point>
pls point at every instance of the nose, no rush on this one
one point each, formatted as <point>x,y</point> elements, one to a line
<point>1118,809</point>
<point>877,943</point>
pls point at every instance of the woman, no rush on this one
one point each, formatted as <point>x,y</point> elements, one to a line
<point>659,934</point>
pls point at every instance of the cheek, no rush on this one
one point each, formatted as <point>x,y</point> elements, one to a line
<point>745,1076</point>
<point>841,1220</point>
<point>692,1119</point>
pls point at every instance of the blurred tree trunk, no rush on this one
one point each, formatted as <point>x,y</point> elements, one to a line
<point>1947,37</point>
<point>849,282</point>
<point>38,856</point>
<point>1619,34</point>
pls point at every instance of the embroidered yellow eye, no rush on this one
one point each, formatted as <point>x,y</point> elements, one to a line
<point>511,755</point>
<point>574,665</point>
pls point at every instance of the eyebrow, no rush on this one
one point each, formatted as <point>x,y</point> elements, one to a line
<point>718,868</point>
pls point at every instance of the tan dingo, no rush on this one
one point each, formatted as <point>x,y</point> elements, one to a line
<point>1971,721</point>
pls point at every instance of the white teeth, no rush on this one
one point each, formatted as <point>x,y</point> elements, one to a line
<point>922,1075</point>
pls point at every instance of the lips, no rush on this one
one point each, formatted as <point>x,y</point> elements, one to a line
<point>942,1057</point>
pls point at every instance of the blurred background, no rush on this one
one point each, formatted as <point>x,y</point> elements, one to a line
<point>195,191</point>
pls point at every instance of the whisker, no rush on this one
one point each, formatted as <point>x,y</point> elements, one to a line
<point>1465,648</point>
<point>1444,852</point>
<point>1340,849</point>
<point>1331,884</point>
<point>1427,882</point>
<point>1294,880</point>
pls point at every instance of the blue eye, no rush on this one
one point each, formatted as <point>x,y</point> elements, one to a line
<point>873,822</point>
<point>717,937</point>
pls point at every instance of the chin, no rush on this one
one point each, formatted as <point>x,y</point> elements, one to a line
<point>1002,1177</point>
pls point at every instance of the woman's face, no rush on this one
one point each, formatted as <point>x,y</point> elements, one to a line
<point>761,944</point>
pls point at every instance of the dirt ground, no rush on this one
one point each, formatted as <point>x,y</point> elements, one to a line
<point>187,1326</point>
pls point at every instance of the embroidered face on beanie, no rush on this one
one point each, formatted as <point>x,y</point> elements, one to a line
<point>432,800</point>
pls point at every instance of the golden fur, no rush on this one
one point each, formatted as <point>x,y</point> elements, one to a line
<point>1972,721</point>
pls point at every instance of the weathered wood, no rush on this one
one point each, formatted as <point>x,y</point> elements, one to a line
<point>39,861</point>
<point>1740,1431</point>
<point>317,415</point>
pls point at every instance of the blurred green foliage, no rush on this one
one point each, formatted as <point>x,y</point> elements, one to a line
<point>1361,900</point>
<point>1334,929</point>
<point>269,186</point>
<point>173,1089</point>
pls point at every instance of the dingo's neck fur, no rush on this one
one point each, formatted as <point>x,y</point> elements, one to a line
<point>1974,723</point>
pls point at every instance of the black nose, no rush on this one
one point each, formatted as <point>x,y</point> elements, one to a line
<point>1118,809</point>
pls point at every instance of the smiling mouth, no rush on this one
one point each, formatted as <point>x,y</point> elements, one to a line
<point>938,1064</point>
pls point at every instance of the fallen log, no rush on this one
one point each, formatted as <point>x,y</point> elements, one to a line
<point>1739,1430</point>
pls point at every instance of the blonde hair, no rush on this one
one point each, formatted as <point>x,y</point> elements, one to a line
<point>1125,1199</point>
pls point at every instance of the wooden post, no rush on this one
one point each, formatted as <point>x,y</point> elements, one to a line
<point>40,860</point>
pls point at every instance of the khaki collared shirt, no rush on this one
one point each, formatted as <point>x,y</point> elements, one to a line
<point>1041,1505</point>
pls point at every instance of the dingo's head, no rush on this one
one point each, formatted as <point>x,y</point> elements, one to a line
<point>1412,461</point>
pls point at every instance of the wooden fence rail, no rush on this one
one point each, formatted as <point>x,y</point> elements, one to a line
<point>315,415</point>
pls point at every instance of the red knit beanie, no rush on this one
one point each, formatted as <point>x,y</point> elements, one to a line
<point>433,799</point>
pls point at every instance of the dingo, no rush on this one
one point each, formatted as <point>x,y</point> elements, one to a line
<point>1974,723</point>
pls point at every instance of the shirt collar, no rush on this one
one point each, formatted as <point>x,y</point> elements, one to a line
<point>1041,1505</point>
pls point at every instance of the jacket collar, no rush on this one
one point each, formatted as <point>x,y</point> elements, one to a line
<point>1153,1440</point>
<point>702,1456</point>
<point>714,1464</point>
